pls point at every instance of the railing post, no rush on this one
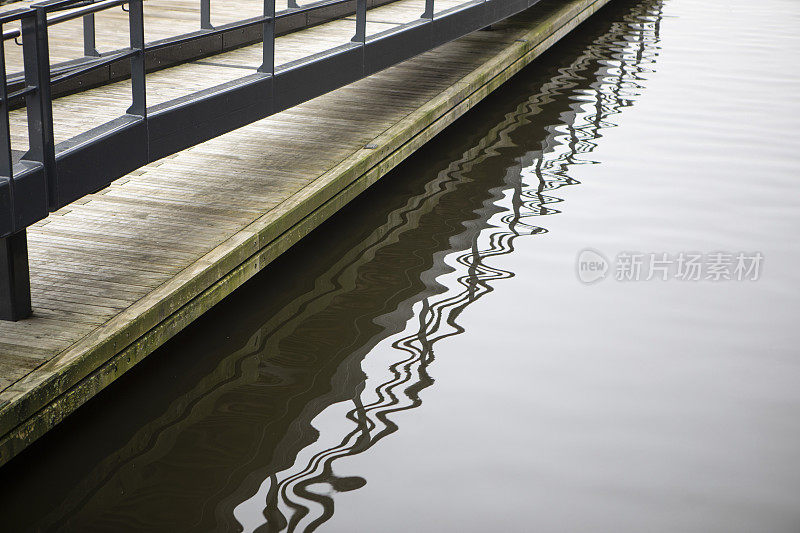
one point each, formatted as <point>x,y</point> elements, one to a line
<point>138,88</point>
<point>268,61</point>
<point>15,286</point>
<point>428,13</point>
<point>89,45</point>
<point>39,104</point>
<point>6,161</point>
<point>205,15</point>
<point>361,22</point>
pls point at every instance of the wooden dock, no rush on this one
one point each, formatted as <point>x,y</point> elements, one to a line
<point>116,274</point>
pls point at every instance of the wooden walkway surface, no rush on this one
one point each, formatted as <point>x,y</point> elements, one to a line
<point>117,273</point>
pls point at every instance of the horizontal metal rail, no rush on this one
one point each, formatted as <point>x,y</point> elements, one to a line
<point>88,8</point>
<point>13,15</point>
<point>94,65</point>
<point>22,92</point>
<point>49,176</point>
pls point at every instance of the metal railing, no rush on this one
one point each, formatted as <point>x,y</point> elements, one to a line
<point>209,40</point>
<point>49,176</point>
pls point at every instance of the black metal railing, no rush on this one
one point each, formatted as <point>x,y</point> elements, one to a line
<point>209,40</point>
<point>50,175</point>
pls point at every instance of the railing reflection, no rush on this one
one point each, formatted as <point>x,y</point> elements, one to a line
<point>286,496</point>
<point>260,434</point>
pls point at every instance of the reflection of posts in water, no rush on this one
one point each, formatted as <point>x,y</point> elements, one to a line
<point>426,355</point>
<point>550,173</point>
<point>276,521</point>
<point>516,202</point>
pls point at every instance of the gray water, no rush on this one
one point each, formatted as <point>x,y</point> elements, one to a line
<point>429,360</point>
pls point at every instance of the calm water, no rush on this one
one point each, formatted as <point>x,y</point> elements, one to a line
<point>429,361</point>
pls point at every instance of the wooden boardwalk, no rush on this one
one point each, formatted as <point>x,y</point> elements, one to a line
<point>119,272</point>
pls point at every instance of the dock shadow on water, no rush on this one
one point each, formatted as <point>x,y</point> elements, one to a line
<point>239,422</point>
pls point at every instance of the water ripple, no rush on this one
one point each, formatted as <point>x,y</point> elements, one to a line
<point>616,65</point>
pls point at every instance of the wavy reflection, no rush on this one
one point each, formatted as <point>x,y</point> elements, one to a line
<point>251,442</point>
<point>618,66</point>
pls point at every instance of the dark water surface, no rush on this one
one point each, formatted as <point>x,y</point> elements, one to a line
<point>429,361</point>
